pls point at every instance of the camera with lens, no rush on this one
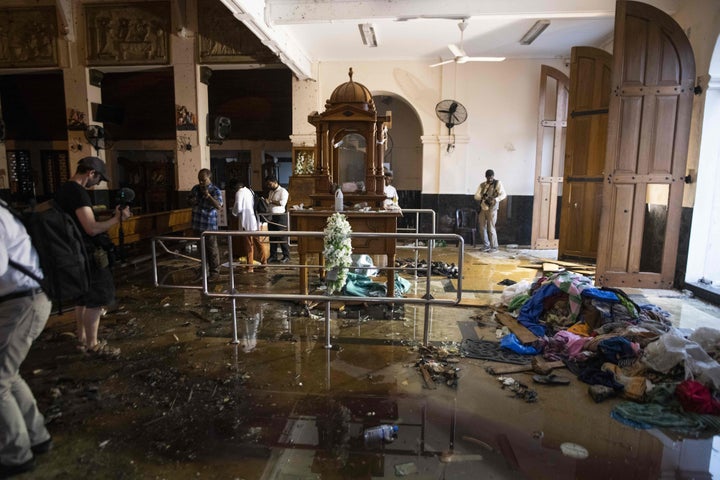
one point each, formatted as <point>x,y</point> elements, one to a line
<point>203,190</point>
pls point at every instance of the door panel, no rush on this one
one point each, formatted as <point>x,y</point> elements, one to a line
<point>648,132</point>
<point>549,155</point>
<point>590,88</point>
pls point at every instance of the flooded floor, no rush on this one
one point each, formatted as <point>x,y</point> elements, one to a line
<point>184,401</point>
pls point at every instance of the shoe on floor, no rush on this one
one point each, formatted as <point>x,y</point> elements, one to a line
<point>42,447</point>
<point>273,259</point>
<point>7,471</point>
<point>551,379</point>
<point>285,259</point>
<point>102,349</point>
<point>600,393</point>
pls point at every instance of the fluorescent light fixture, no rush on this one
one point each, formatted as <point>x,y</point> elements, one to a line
<point>367,33</point>
<point>534,32</point>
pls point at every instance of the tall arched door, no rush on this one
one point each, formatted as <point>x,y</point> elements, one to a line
<point>648,131</point>
<point>590,75</point>
<point>553,104</point>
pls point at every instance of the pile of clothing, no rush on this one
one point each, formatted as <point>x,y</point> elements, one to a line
<point>620,348</point>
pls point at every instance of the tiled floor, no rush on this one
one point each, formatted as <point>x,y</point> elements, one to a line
<point>183,401</point>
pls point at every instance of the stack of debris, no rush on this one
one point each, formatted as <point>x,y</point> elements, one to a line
<point>438,365</point>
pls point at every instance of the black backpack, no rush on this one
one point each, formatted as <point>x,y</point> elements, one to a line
<point>60,247</point>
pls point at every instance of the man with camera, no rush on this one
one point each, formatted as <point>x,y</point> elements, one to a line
<point>490,193</point>
<point>205,200</point>
<point>74,199</point>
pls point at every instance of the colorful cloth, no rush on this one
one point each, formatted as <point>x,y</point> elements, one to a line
<point>697,398</point>
<point>572,284</point>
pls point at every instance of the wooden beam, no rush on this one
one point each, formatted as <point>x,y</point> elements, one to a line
<point>523,334</point>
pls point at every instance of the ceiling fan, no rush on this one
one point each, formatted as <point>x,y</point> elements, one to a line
<point>459,55</point>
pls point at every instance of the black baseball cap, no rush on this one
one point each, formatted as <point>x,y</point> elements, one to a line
<point>96,164</point>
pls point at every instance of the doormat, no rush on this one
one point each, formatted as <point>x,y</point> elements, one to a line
<point>487,350</point>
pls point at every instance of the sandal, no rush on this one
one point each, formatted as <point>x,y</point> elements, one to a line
<point>551,379</point>
<point>102,349</point>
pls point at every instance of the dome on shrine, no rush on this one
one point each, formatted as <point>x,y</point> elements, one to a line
<point>351,92</point>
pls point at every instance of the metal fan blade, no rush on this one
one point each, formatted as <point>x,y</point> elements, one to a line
<point>456,51</point>
<point>442,63</point>
<point>482,59</point>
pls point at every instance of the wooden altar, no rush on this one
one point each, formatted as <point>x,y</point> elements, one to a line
<point>381,221</point>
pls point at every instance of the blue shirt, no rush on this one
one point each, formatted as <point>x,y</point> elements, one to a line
<point>204,213</point>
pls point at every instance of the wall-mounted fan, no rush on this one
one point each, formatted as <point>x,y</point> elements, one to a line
<point>459,55</point>
<point>95,135</point>
<point>451,112</point>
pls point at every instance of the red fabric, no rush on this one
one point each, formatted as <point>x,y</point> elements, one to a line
<point>696,397</point>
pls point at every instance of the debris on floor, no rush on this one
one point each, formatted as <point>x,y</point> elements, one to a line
<point>519,389</point>
<point>615,345</point>
<point>438,365</point>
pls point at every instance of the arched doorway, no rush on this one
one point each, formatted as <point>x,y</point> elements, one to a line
<point>403,154</point>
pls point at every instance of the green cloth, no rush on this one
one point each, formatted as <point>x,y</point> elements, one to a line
<point>359,285</point>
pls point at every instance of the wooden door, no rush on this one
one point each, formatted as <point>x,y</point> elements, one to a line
<point>648,130</point>
<point>590,76</point>
<point>549,154</point>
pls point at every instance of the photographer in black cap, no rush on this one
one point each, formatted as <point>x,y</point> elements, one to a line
<point>75,200</point>
<point>490,193</point>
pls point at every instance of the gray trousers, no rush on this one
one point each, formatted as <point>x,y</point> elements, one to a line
<point>487,227</point>
<point>21,423</point>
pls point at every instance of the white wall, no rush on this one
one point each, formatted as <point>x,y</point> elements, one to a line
<point>501,99</point>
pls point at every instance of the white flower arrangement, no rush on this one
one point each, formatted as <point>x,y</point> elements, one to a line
<point>337,251</point>
<point>305,163</point>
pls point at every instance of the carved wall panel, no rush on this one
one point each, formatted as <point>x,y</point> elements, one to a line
<point>28,37</point>
<point>224,39</point>
<point>128,34</point>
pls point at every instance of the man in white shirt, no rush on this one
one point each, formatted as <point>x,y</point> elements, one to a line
<point>391,195</point>
<point>24,310</point>
<point>244,210</point>
<point>490,193</point>
<point>277,198</point>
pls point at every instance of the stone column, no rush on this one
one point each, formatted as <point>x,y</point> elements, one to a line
<point>191,99</point>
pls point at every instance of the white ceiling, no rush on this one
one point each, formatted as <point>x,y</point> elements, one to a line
<point>327,30</point>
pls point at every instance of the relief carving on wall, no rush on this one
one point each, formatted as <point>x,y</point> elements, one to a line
<point>28,37</point>
<point>225,39</point>
<point>128,34</point>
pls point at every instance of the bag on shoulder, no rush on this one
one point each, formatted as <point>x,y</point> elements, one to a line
<point>61,250</point>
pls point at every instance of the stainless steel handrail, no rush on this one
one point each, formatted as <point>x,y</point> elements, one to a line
<point>427,299</point>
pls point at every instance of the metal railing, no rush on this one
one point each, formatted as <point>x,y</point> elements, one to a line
<point>417,246</point>
<point>427,299</point>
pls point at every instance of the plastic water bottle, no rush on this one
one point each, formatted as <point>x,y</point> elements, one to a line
<point>338,200</point>
<point>380,434</point>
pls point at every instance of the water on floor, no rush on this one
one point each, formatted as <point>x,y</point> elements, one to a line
<point>184,401</point>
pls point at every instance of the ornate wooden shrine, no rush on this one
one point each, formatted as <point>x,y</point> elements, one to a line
<point>350,147</point>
